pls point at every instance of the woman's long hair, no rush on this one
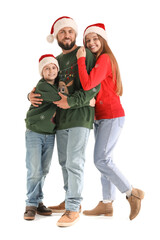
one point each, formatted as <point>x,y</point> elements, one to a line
<point>115,69</point>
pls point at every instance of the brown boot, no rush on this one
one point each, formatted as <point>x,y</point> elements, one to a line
<point>30,213</point>
<point>102,208</point>
<point>135,202</point>
<point>68,219</point>
<point>42,210</point>
<point>60,208</point>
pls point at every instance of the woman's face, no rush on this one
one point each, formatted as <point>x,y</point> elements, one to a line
<point>92,42</point>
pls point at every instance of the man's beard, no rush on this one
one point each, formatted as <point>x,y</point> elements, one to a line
<point>66,46</point>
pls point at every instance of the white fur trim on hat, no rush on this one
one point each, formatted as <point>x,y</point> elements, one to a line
<point>65,22</point>
<point>45,61</point>
<point>95,29</point>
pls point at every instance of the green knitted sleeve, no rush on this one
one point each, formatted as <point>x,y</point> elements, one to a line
<point>49,93</point>
<point>82,98</point>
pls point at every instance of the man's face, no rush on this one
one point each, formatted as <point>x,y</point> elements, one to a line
<point>66,38</point>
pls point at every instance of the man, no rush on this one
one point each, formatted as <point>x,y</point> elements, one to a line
<point>73,125</point>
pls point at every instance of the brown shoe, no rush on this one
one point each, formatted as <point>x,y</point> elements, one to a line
<point>60,208</point>
<point>68,219</point>
<point>101,209</point>
<point>135,202</point>
<point>42,210</point>
<point>30,213</point>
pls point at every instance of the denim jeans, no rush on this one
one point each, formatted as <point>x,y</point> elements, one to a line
<point>71,145</point>
<point>107,132</point>
<point>39,149</point>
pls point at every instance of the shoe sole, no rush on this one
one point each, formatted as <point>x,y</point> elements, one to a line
<point>106,215</point>
<point>44,214</point>
<point>29,218</point>
<point>58,211</point>
<point>61,224</point>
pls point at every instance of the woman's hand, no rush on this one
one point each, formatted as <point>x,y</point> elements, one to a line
<point>92,102</point>
<point>32,96</point>
<point>81,52</point>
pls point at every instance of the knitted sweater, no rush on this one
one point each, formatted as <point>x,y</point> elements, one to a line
<point>41,119</point>
<point>108,103</point>
<point>69,83</point>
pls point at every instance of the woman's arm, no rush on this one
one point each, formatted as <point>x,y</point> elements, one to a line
<point>101,70</point>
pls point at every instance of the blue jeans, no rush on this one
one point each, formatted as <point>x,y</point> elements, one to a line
<point>39,149</point>
<point>107,132</point>
<point>71,145</point>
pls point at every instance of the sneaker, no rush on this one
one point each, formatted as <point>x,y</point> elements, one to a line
<point>30,213</point>
<point>60,208</point>
<point>42,210</point>
<point>68,219</point>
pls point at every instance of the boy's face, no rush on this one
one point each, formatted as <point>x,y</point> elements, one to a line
<point>50,72</point>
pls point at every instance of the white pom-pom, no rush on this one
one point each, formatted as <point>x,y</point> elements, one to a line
<point>50,38</point>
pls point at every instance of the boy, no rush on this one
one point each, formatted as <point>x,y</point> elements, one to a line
<point>40,136</point>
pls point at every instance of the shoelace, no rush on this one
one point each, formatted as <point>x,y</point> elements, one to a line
<point>67,213</point>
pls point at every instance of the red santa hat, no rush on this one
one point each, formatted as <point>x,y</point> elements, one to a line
<point>98,28</point>
<point>59,24</point>
<point>47,59</point>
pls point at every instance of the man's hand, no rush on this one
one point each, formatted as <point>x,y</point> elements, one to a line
<point>33,98</point>
<point>92,102</point>
<point>63,102</point>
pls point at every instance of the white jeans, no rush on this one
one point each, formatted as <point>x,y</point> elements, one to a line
<point>107,132</point>
<point>71,145</point>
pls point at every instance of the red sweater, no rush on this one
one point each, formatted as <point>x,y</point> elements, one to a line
<point>108,104</point>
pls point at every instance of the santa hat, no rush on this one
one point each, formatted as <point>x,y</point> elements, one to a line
<point>98,28</point>
<point>59,24</point>
<point>47,59</point>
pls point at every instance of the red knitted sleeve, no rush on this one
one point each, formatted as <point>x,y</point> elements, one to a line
<point>101,70</point>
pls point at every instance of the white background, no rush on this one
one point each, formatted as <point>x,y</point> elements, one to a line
<point>133,35</point>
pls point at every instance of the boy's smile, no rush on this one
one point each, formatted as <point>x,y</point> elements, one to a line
<point>50,72</point>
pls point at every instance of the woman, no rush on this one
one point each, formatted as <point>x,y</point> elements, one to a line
<point>109,119</point>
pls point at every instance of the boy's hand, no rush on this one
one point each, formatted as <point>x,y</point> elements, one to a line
<point>32,96</point>
<point>81,52</point>
<point>63,102</point>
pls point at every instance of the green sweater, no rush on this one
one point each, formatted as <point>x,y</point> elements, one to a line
<point>69,84</point>
<point>41,119</point>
